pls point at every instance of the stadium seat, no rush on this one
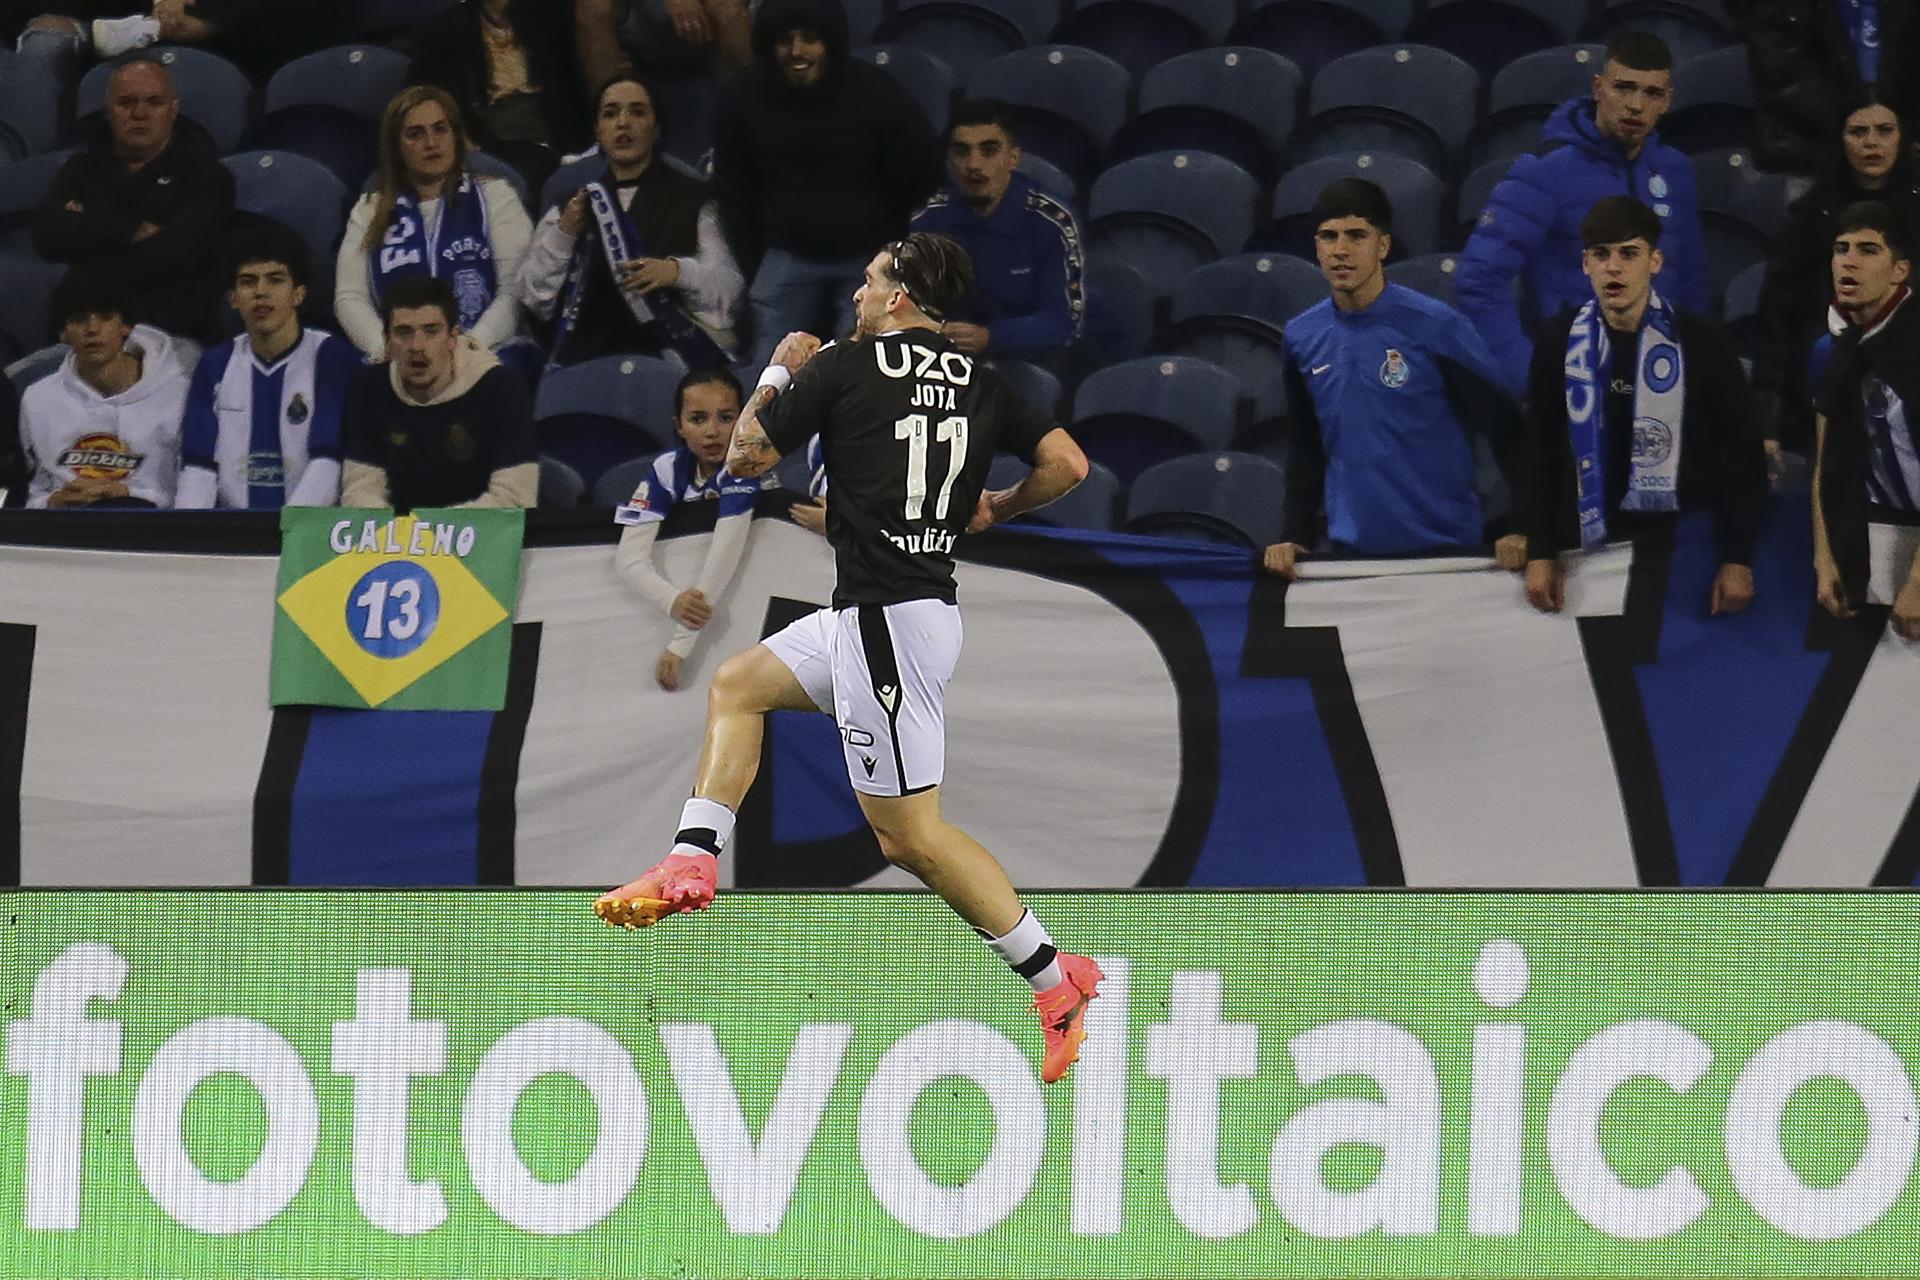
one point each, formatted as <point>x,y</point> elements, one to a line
<point>22,184</point>
<point>358,78</point>
<point>1067,103</point>
<point>1415,193</point>
<point>214,94</point>
<point>1119,323</point>
<point>1312,33</point>
<point>1033,384</point>
<point>1234,312</point>
<point>1740,308</point>
<point>1237,103</point>
<point>1713,106</point>
<point>1132,415</point>
<point>1474,193</point>
<point>348,146</point>
<point>1431,274</point>
<point>1731,184</point>
<point>30,101</point>
<point>926,78</point>
<point>1139,34</point>
<point>1489,34</point>
<point>618,482</point>
<point>864,19</point>
<point>1542,81</point>
<point>295,191</point>
<point>637,390</point>
<point>1237,499</point>
<point>492,166</point>
<point>591,443</point>
<point>1052,179</point>
<point>1405,99</point>
<point>560,485</point>
<point>1690,27</point>
<point>26,291</point>
<point>1268,429</point>
<point>689,103</point>
<point>1168,212</point>
<point>791,472</point>
<point>1093,504</point>
<point>569,178</point>
<point>967,34</point>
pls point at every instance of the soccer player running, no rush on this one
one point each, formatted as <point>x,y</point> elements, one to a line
<point>909,425</point>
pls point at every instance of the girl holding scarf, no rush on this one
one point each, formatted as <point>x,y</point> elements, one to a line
<point>428,214</point>
<point>1638,411</point>
<point>634,263</point>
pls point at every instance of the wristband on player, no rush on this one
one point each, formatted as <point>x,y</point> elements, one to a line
<point>776,376</point>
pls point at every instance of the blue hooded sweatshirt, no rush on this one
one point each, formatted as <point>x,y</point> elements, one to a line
<point>1532,224</point>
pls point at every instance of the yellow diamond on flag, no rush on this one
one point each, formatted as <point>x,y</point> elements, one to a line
<point>385,620</point>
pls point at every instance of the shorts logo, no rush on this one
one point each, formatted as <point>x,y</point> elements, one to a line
<point>1393,373</point>
<point>101,457</point>
<point>297,410</point>
<point>888,696</point>
<point>868,762</point>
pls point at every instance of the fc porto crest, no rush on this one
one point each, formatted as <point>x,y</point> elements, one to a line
<point>297,411</point>
<point>1393,372</point>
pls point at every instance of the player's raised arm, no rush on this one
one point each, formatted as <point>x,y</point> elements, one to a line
<point>752,453</point>
<point>1058,465</point>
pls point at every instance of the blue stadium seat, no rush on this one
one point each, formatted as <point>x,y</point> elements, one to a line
<point>1132,415</point>
<point>214,94</point>
<point>1405,99</point>
<point>1237,103</point>
<point>1237,499</point>
<point>561,487</point>
<point>359,78</point>
<point>1052,179</point>
<point>1093,504</point>
<point>1431,274</point>
<point>1740,307</point>
<point>967,34</point>
<point>1474,192</point>
<point>1731,184</point>
<point>929,81</point>
<point>1415,193</point>
<point>569,178</point>
<point>30,101</point>
<point>864,19</point>
<point>293,190</point>
<point>1119,323</point>
<point>1545,79</point>
<point>1067,103</point>
<point>1268,430</point>
<point>1139,34</point>
<point>591,443</point>
<point>1492,33</point>
<point>637,390</point>
<point>492,166</point>
<point>348,146</point>
<point>1713,106</point>
<point>618,482</point>
<point>1312,33</point>
<point>791,473</point>
<point>1690,27</point>
<point>1168,212</point>
<point>1033,384</point>
<point>1233,312</point>
<point>22,184</point>
<point>26,290</point>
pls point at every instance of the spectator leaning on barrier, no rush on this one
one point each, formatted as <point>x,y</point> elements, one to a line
<point>1026,249</point>
<point>635,261</point>
<point>818,157</point>
<point>147,201</point>
<point>104,429</point>
<point>1809,57</point>
<point>262,424</point>
<point>441,424</point>
<point>1387,388</point>
<point>1866,510</point>
<point>1592,148</point>
<point>1639,411</point>
<point>705,405</point>
<point>430,215</point>
<point>1872,162</point>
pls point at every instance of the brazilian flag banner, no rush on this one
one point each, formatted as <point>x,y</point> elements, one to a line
<point>404,613</point>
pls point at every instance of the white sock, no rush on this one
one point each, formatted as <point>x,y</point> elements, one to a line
<point>115,36</point>
<point>705,827</point>
<point>1028,950</point>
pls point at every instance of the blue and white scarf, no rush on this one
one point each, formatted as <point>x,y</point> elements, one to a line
<point>1658,394</point>
<point>620,243</point>
<point>457,248</point>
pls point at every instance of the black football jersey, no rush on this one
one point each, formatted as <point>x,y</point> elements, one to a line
<point>908,426</point>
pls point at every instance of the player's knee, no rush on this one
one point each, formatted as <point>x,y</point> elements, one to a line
<point>734,686</point>
<point>904,851</point>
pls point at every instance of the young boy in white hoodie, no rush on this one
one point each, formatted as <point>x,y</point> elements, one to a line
<point>104,431</point>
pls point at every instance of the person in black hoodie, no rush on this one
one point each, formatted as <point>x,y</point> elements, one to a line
<point>1874,161</point>
<point>1866,462</point>
<point>1637,411</point>
<point>817,158</point>
<point>148,202</point>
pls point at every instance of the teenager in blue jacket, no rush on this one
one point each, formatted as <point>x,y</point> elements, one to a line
<point>1592,148</point>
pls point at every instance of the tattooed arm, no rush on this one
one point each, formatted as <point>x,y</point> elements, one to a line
<point>752,452</point>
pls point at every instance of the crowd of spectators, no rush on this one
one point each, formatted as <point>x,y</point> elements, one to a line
<point>1582,390</point>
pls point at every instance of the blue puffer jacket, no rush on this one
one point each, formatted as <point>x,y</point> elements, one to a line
<point>1532,224</point>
